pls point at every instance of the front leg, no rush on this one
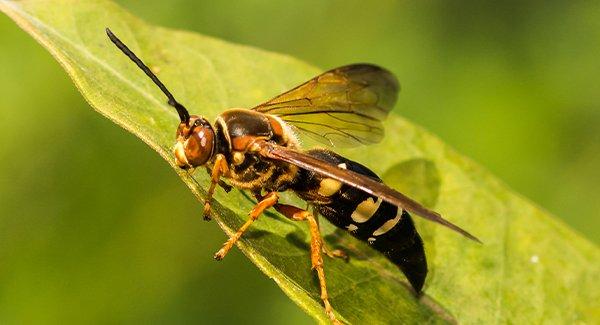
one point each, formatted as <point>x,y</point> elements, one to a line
<point>219,168</point>
<point>266,202</point>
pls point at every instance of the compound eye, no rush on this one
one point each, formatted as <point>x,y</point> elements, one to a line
<point>199,146</point>
<point>185,130</point>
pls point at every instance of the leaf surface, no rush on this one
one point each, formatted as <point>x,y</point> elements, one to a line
<point>530,269</point>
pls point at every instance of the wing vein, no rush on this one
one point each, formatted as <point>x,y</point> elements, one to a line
<point>349,101</point>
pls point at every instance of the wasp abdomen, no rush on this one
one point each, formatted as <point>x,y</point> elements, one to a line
<point>384,226</point>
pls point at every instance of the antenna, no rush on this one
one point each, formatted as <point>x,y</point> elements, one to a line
<point>184,116</point>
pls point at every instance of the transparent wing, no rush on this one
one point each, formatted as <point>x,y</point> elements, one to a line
<point>359,181</point>
<point>343,107</point>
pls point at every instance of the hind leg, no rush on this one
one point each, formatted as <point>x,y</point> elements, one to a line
<point>332,253</point>
<point>316,248</point>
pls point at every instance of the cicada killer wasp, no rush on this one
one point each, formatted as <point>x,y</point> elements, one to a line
<point>258,150</point>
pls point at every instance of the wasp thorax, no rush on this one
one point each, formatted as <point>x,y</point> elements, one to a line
<point>195,143</point>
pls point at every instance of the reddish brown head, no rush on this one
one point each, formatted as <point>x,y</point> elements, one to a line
<point>195,136</point>
<point>195,143</point>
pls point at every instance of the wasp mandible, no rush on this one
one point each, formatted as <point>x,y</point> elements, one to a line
<point>258,150</point>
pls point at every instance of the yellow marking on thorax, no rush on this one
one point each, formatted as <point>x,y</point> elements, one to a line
<point>223,125</point>
<point>238,157</point>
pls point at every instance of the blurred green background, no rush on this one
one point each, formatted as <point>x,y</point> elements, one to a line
<point>95,227</point>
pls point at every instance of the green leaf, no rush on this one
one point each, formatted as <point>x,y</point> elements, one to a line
<point>530,269</point>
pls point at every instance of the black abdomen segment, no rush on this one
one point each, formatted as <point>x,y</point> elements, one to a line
<point>384,226</point>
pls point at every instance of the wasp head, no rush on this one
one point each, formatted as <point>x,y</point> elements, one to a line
<point>195,143</point>
<point>195,136</point>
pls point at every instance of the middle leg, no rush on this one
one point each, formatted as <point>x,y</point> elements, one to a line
<point>263,204</point>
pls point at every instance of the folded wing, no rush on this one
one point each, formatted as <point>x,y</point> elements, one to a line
<point>359,181</point>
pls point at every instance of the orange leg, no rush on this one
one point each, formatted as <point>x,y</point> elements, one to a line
<point>316,247</point>
<point>332,253</point>
<point>266,202</point>
<point>219,168</point>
